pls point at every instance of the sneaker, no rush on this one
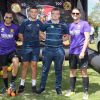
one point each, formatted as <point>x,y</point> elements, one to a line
<point>13,86</point>
<point>85,96</point>
<point>59,92</point>
<point>34,89</point>
<point>40,90</point>
<point>3,91</point>
<point>69,93</point>
<point>21,89</point>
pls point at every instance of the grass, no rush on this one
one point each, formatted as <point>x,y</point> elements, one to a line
<point>93,45</point>
<point>50,94</point>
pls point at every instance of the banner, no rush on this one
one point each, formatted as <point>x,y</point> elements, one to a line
<point>44,6</point>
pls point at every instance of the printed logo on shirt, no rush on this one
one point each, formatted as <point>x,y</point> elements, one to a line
<point>37,25</point>
<point>11,30</point>
<point>75,32</point>
<point>52,26</point>
<point>2,29</point>
<point>72,32</point>
<point>29,25</point>
<point>7,36</point>
<point>78,27</point>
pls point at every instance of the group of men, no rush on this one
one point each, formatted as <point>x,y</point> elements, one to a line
<point>30,32</point>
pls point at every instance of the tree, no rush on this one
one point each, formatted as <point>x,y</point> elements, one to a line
<point>95,15</point>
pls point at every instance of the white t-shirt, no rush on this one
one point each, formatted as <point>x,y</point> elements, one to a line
<point>92,30</point>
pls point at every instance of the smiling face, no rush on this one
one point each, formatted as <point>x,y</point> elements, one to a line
<point>8,18</point>
<point>76,14</point>
<point>55,14</point>
<point>33,13</point>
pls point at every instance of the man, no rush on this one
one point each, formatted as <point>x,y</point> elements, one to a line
<point>78,53</point>
<point>29,35</point>
<point>53,51</point>
<point>8,34</point>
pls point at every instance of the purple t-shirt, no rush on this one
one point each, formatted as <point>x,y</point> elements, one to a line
<point>77,36</point>
<point>7,38</point>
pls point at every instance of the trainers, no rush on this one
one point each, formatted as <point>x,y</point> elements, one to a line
<point>40,90</point>
<point>13,86</point>
<point>69,93</point>
<point>85,96</point>
<point>21,89</point>
<point>3,91</point>
<point>34,89</point>
<point>59,92</point>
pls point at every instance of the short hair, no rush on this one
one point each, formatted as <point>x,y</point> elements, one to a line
<point>76,9</point>
<point>9,12</point>
<point>33,7</point>
<point>55,9</point>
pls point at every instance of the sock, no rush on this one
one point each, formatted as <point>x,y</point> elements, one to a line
<point>13,78</point>
<point>72,83</point>
<point>85,84</point>
<point>22,82</point>
<point>5,82</point>
<point>33,82</point>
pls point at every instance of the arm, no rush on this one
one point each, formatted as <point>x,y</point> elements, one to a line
<point>86,42</point>
<point>66,40</point>
<point>21,31</point>
<point>42,32</point>
<point>65,37</point>
<point>65,32</point>
<point>20,36</point>
<point>42,36</point>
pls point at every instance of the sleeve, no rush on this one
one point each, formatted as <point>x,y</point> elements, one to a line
<point>16,32</point>
<point>22,28</point>
<point>43,27</point>
<point>65,28</point>
<point>87,27</point>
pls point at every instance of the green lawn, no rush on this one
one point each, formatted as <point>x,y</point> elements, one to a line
<point>50,94</point>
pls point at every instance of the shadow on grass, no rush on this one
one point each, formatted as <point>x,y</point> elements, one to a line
<point>50,93</point>
<point>93,87</point>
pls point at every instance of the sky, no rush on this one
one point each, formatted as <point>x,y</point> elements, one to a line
<point>91,5</point>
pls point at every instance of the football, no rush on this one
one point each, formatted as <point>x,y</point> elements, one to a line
<point>16,8</point>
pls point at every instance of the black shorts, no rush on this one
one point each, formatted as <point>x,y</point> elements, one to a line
<point>7,58</point>
<point>75,62</point>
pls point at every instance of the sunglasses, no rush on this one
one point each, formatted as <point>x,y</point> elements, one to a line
<point>8,17</point>
<point>75,13</point>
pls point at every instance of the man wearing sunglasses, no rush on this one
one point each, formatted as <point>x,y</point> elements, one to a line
<point>78,53</point>
<point>8,34</point>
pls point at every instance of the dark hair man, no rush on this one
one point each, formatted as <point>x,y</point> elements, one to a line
<point>29,35</point>
<point>8,34</point>
<point>53,50</point>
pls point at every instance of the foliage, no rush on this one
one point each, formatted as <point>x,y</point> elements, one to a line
<point>94,17</point>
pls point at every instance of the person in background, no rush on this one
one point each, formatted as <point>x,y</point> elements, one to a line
<point>42,18</point>
<point>78,52</point>
<point>8,53</point>
<point>92,33</point>
<point>29,35</point>
<point>53,50</point>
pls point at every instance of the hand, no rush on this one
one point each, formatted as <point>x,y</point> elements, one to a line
<point>81,55</point>
<point>65,37</point>
<point>42,36</point>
